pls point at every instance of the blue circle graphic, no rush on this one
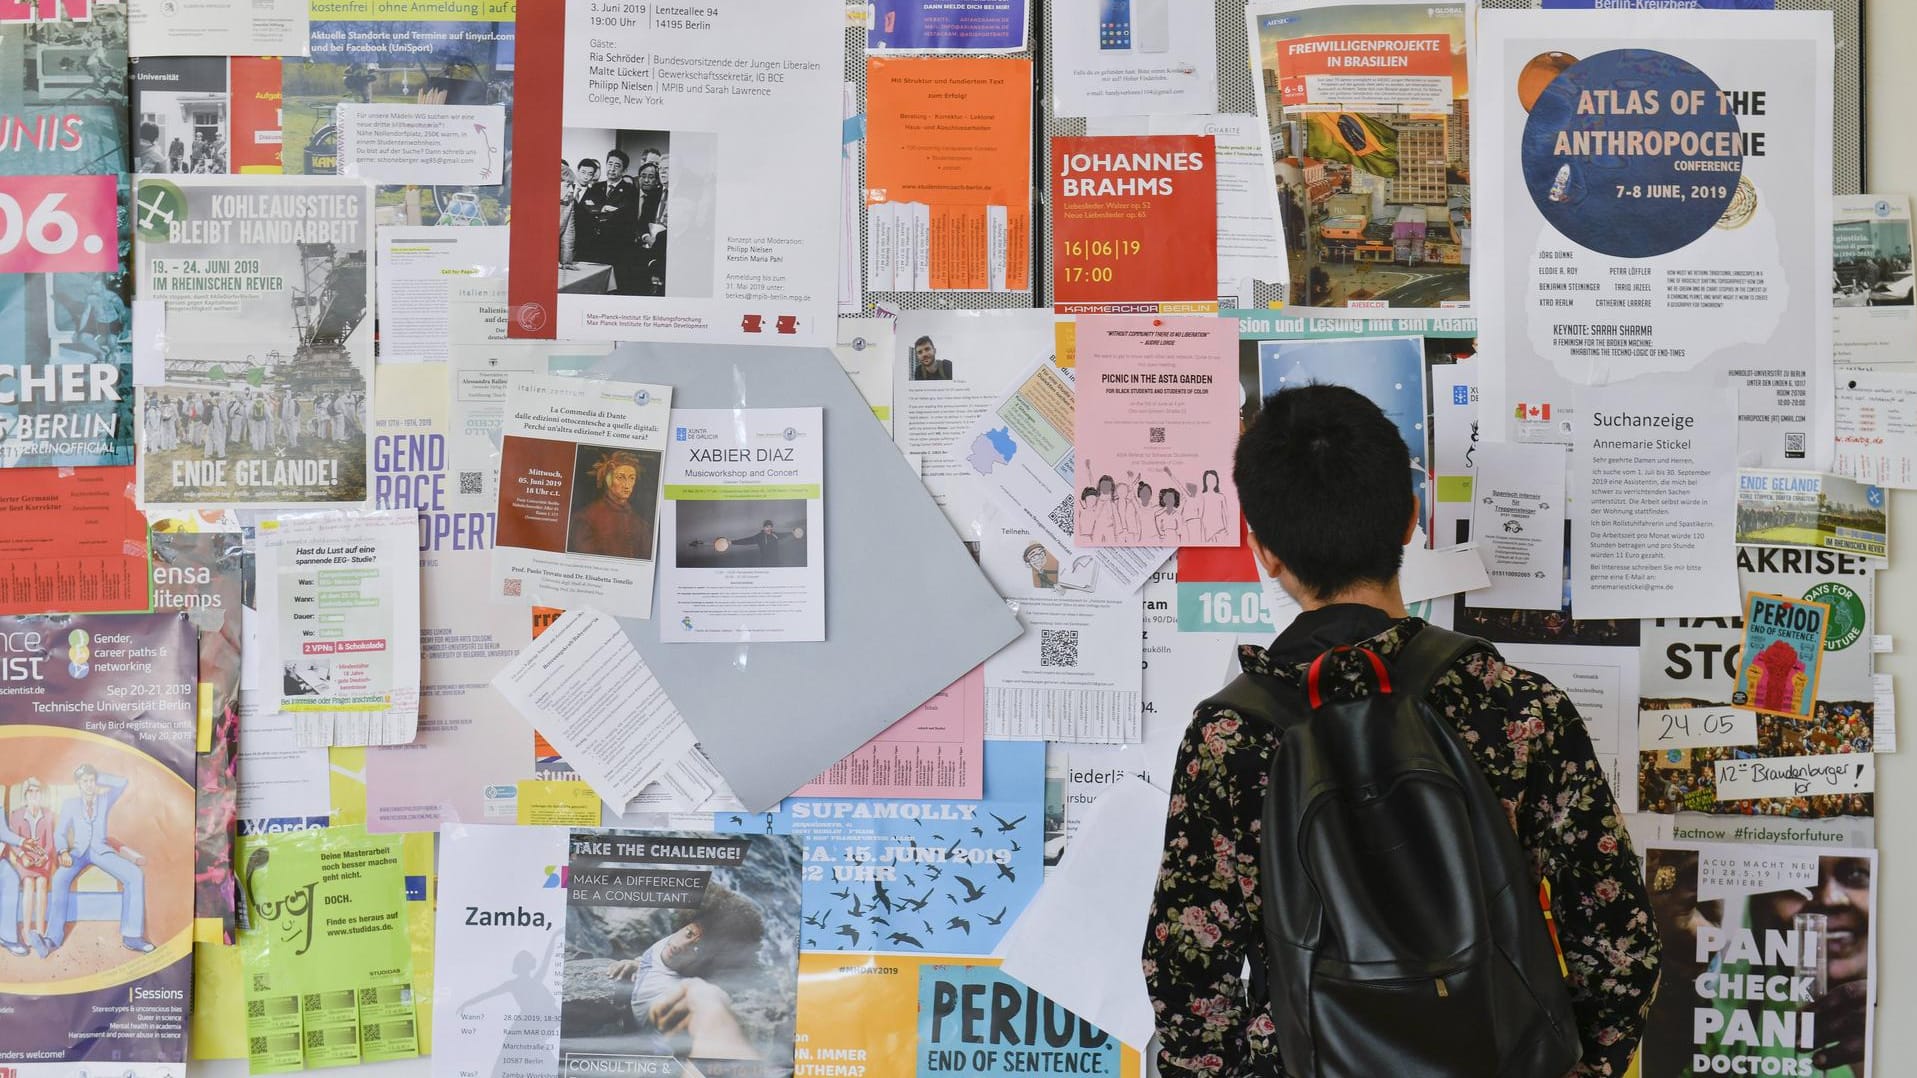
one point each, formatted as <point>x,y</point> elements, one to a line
<point>1621,176</point>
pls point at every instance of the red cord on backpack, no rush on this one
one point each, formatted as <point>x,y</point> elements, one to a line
<point>1377,664</point>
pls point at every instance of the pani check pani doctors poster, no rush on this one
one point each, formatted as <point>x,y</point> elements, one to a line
<point>659,129</point>
<point>1655,198</point>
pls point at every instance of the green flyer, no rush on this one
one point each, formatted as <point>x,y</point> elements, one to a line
<point>329,969</point>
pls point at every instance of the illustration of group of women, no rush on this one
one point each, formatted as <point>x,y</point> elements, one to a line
<point>1132,513</point>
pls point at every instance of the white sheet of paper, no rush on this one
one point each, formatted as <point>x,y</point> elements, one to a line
<point>149,342</point>
<point>416,268</point>
<point>1074,674</point>
<point>1165,63</point>
<point>339,635</point>
<point>1796,776</point>
<point>1602,683</point>
<point>217,28</point>
<point>278,779</point>
<point>423,144</point>
<point>1695,728</point>
<point>1883,735</point>
<point>1428,574</point>
<point>1181,669</point>
<point>742,526</point>
<point>1454,446</point>
<point>1251,246</point>
<point>986,349</point>
<point>1517,522</point>
<point>583,685</point>
<point>1077,942</point>
<point>851,201</point>
<point>1654,479</point>
<point>865,351</point>
<point>1871,285</point>
<point>1876,424</point>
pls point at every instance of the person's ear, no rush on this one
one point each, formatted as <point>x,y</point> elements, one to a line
<point>1266,559</point>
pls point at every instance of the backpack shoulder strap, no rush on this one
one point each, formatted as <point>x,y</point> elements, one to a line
<point>1429,654</point>
<point>1261,697</point>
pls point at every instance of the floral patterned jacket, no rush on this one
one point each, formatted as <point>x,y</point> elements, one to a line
<point>1533,747</point>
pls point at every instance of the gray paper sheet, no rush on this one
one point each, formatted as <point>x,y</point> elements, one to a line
<point>907,611</point>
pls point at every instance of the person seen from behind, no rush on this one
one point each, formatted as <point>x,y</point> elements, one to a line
<point>1321,474</point>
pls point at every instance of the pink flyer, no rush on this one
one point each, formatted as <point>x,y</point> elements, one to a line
<point>1157,420</point>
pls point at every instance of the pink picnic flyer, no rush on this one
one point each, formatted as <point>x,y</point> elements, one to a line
<point>1157,420</point>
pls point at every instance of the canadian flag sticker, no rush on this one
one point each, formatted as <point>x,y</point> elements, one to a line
<point>1534,411</point>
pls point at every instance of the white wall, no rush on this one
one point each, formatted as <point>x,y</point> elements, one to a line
<point>1892,168</point>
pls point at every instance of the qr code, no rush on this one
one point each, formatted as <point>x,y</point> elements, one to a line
<point>256,1046</point>
<point>315,1038</point>
<point>256,1008</point>
<point>1061,516</point>
<point>1058,647</point>
<point>1157,435</point>
<point>1794,445</point>
<point>509,587</point>
<point>472,482</point>
<point>371,1034</point>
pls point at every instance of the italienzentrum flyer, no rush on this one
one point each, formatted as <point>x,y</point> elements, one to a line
<point>1654,197</point>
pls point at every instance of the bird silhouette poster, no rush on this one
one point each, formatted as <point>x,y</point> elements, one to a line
<point>901,875</point>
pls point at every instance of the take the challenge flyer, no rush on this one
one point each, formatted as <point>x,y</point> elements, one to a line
<point>1134,224</point>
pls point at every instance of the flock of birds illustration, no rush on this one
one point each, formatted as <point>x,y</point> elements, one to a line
<point>871,913</point>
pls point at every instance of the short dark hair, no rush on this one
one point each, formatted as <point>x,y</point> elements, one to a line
<point>150,131</point>
<point>730,920</point>
<point>1324,479</point>
<point>587,162</point>
<point>620,154</point>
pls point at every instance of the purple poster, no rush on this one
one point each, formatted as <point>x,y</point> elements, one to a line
<point>96,855</point>
<point>947,26</point>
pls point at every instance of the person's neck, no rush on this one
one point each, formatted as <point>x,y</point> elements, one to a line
<point>1387,597</point>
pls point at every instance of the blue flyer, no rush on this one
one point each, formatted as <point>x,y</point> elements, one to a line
<point>892,874</point>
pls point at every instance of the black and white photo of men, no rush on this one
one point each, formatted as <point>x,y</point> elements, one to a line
<point>623,211</point>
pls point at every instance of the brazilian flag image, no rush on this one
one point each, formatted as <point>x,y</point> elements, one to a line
<point>1367,143</point>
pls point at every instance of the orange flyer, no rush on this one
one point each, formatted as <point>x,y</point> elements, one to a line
<point>948,174</point>
<point>1134,224</point>
<point>71,541</point>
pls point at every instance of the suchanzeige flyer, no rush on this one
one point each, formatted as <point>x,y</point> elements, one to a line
<point>66,354</point>
<point>742,537</point>
<point>658,127</point>
<point>96,885</point>
<point>1654,197</point>
<point>268,348</point>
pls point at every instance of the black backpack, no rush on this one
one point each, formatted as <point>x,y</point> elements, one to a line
<point>1402,925</point>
